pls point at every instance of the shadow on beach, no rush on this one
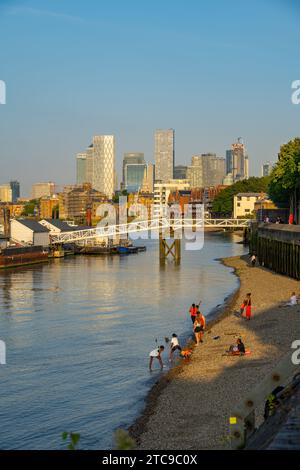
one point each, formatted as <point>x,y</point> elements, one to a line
<point>190,406</point>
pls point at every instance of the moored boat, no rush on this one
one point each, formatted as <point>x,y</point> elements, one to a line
<point>21,256</point>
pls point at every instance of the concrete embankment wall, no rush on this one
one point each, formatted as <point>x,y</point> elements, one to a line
<point>277,247</point>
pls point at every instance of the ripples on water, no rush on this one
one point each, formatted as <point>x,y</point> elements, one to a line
<point>78,332</point>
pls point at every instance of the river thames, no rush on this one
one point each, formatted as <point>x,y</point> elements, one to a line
<point>78,333</point>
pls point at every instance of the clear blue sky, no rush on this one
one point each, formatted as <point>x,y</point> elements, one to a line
<point>213,70</point>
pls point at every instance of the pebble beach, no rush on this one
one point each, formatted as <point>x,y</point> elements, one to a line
<point>189,407</point>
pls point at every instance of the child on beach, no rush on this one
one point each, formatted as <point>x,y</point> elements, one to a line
<point>242,306</point>
<point>156,353</point>
<point>174,346</point>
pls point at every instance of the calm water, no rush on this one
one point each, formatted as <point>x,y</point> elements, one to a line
<point>78,332</point>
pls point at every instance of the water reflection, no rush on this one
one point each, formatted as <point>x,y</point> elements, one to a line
<point>78,332</point>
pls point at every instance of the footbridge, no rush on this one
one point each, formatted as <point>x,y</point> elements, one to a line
<point>158,225</point>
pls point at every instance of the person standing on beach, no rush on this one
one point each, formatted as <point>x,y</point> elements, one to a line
<point>248,306</point>
<point>199,326</point>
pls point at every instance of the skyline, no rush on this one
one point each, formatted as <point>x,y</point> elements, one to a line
<point>186,69</point>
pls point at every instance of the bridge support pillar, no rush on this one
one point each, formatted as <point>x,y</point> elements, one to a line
<point>172,248</point>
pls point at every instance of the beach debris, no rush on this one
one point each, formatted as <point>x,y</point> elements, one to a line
<point>216,337</point>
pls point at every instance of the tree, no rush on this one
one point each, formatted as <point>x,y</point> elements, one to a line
<point>285,178</point>
<point>223,202</point>
<point>30,207</point>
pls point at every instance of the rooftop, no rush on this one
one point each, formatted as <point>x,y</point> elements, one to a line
<point>33,225</point>
<point>60,224</point>
<point>251,194</point>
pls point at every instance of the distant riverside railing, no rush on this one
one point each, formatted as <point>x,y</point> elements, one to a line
<point>159,224</point>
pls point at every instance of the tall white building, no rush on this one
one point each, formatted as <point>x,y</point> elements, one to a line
<point>104,164</point>
<point>164,154</point>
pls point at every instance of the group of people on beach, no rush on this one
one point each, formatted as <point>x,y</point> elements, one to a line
<point>199,324</point>
<point>156,353</point>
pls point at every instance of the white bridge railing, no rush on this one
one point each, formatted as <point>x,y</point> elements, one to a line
<point>159,224</point>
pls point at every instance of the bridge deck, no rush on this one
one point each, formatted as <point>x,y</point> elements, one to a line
<point>110,231</point>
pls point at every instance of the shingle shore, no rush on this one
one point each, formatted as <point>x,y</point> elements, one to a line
<point>190,406</point>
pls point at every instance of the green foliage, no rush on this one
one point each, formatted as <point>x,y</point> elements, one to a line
<point>74,439</point>
<point>285,177</point>
<point>29,207</point>
<point>123,441</point>
<point>223,202</point>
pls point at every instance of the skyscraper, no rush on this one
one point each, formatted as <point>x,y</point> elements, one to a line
<point>164,154</point>
<point>15,188</point>
<point>81,168</point>
<point>240,164</point>
<point>90,164</point>
<point>132,158</point>
<point>195,172</point>
<point>104,164</point>
<point>229,164</point>
<point>213,169</point>
<point>206,170</point>
<point>148,180</point>
<point>266,169</point>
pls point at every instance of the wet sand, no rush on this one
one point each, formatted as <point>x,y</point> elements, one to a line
<point>190,406</point>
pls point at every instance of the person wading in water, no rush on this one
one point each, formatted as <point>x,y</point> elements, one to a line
<point>193,311</point>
